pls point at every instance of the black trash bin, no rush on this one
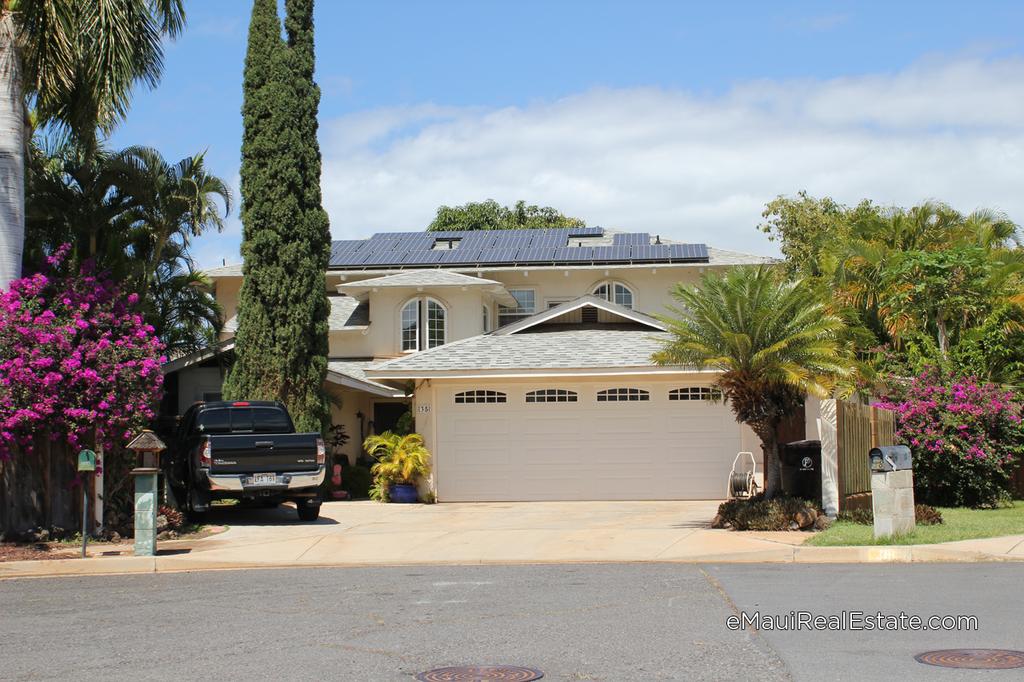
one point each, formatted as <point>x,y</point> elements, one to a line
<point>801,469</point>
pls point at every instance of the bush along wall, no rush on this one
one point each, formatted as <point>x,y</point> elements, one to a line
<point>966,436</point>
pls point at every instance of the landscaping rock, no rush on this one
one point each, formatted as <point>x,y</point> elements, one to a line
<point>718,522</point>
<point>822,522</point>
<point>793,525</point>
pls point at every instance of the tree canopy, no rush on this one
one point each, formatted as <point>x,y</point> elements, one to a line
<point>490,215</point>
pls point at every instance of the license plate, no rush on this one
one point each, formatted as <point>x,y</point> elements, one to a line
<point>263,479</point>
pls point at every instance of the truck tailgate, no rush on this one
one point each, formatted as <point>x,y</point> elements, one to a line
<point>254,453</point>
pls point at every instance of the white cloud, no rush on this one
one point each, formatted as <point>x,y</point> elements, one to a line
<point>687,165</point>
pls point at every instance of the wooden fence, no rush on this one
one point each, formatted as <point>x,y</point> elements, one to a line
<point>858,429</point>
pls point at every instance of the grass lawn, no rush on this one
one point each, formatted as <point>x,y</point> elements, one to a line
<point>960,524</point>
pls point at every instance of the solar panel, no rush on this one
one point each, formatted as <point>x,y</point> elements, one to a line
<point>549,245</point>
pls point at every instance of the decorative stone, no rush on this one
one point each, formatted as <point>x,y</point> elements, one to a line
<point>718,521</point>
<point>822,522</point>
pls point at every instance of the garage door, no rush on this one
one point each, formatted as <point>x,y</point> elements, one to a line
<point>621,441</point>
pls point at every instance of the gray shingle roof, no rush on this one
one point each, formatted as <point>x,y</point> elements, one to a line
<point>545,347</point>
<point>356,369</point>
<point>723,257</point>
<point>345,313</point>
<point>422,278</point>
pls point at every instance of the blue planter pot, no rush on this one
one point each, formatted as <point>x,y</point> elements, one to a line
<point>403,493</point>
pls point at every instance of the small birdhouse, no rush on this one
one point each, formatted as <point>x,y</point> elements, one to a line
<point>147,447</point>
<point>87,460</point>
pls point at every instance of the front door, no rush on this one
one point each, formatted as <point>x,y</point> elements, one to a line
<point>386,415</point>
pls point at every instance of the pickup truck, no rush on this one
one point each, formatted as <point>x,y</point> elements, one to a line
<point>244,450</point>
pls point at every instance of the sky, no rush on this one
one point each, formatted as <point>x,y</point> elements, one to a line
<point>675,118</point>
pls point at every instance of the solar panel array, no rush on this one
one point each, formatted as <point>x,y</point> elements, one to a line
<point>507,247</point>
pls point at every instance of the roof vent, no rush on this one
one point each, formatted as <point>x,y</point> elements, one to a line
<point>589,314</point>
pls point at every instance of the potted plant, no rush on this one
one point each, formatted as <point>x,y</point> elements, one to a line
<point>401,460</point>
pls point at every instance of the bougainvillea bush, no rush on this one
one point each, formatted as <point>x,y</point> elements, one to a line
<point>77,361</point>
<point>966,437</point>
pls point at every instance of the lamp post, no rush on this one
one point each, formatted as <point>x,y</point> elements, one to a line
<point>147,448</point>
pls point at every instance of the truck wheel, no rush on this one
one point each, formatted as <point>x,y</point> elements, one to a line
<point>308,513</point>
<point>197,517</point>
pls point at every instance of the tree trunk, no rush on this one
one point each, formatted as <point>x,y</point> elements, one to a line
<point>943,335</point>
<point>772,465</point>
<point>12,154</point>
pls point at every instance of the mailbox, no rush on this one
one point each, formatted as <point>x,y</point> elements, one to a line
<point>890,458</point>
<point>87,460</point>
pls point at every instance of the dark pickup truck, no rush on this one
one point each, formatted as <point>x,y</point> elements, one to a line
<point>244,450</point>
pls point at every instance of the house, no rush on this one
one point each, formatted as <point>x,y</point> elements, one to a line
<point>525,356</point>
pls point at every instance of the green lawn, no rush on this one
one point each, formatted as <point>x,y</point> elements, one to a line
<point>960,524</point>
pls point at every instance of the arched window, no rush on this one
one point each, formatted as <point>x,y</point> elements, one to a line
<point>480,396</point>
<point>424,325</point>
<point>622,395</point>
<point>615,292</point>
<point>551,395</point>
<point>695,393</point>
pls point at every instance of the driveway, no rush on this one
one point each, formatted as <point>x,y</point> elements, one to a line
<point>363,533</point>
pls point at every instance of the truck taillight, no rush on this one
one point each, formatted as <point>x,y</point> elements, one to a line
<point>321,451</point>
<point>205,458</point>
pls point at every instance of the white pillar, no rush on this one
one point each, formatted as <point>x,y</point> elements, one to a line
<point>829,457</point>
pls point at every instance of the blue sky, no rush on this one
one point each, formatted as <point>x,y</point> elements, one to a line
<point>669,117</point>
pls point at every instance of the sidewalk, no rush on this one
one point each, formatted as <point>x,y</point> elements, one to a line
<point>369,534</point>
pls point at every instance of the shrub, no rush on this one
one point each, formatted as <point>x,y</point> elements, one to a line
<point>924,515</point>
<point>966,437</point>
<point>757,513</point>
<point>77,361</point>
<point>356,480</point>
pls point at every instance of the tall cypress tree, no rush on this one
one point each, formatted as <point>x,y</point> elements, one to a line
<point>281,344</point>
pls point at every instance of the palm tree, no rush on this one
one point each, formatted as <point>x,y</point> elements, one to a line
<point>400,459</point>
<point>170,202</point>
<point>773,342</point>
<point>76,62</point>
<point>184,312</point>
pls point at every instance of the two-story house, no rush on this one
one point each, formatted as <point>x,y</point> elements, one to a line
<point>525,356</point>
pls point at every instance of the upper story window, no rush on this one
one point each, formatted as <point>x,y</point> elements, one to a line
<point>487,319</point>
<point>424,325</point>
<point>527,305</point>
<point>615,292</point>
<point>695,393</point>
<point>622,395</point>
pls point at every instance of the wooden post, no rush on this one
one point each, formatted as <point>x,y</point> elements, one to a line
<point>840,454</point>
<point>874,427</point>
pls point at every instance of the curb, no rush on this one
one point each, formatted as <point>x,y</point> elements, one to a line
<point>102,566</point>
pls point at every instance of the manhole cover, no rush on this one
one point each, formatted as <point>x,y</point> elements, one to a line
<point>978,659</point>
<point>481,673</point>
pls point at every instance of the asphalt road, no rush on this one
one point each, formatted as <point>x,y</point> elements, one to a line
<point>574,622</point>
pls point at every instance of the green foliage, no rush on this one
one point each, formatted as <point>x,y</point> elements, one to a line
<point>490,215</point>
<point>760,513</point>
<point>81,58</point>
<point>135,215</point>
<point>400,459</point>
<point>808,229</point>
<point>281,344</point>
<point>406,424</point>
<point>337,437</point>
<point>357,481</point>
<point>380,491</point>
<point>924,515</point>
<point>772,341</point>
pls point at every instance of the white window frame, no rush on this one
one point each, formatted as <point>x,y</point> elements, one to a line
<point>623,394</point>
<point>552,395</point>
<point>480,396</point>
<point>611,284</point>
<point>556,301</point>
<point>695,393</point>
<point>519,314</point>
<point>423,323</point>
<point>487,318</point>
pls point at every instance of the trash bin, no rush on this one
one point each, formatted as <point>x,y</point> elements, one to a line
<point>801,469</point>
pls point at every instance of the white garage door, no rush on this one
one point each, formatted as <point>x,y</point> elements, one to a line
<point>615,441</point>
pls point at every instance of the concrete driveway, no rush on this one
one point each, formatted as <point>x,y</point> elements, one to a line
<point>361,533</point>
